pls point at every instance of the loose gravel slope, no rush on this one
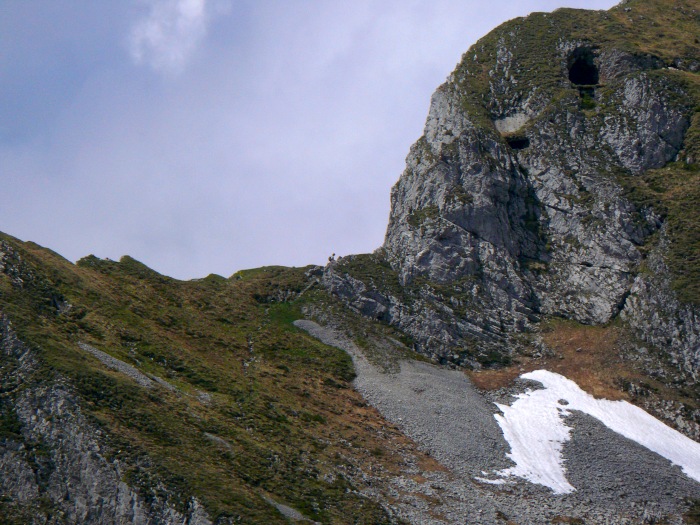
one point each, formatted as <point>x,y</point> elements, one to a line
<point>616,480</point>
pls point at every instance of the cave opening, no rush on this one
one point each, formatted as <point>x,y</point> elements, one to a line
<point>518,142</point>
<point>582,68</point>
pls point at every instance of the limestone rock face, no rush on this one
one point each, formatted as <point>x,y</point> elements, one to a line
<point>593,231</point>
<point>511,206</point>
<point>545,229</point>
<point>660,318</point>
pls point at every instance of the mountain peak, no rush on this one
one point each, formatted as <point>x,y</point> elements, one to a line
<point>523,348</point>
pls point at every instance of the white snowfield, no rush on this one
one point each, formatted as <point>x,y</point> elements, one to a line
<point>534,427</point>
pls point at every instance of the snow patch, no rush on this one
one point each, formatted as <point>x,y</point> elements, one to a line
<point>535,430</point>
<point>498,481</point>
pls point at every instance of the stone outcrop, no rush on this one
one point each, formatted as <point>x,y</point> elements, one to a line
<point>511,206</point>
<point>659,318</point>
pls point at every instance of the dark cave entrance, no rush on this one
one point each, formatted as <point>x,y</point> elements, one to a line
<point>582,68</point>
<point>584,73</point>
<point>518,142</point>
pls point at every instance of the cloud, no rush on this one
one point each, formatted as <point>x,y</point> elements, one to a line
<point>277,143</point>
<point>166,38</point>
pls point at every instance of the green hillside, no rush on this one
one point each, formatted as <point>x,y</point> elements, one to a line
<point>258,408</point>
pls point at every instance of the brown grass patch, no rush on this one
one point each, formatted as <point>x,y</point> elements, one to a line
<point>588,355</point>
<point>503,377</point>
<point>567,519</point>
<point>429,464</point>
<point>381,444</point>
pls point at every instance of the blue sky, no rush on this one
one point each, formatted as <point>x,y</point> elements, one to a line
<point>208,136</point>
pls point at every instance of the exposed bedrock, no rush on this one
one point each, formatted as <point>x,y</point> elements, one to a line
<point>511,207</point>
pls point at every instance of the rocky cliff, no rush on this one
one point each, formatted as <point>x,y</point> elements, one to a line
<point>522,201</point>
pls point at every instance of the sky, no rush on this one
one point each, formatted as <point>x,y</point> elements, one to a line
<point>210,136</point>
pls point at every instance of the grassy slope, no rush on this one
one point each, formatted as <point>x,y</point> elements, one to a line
<point>285,408</point>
